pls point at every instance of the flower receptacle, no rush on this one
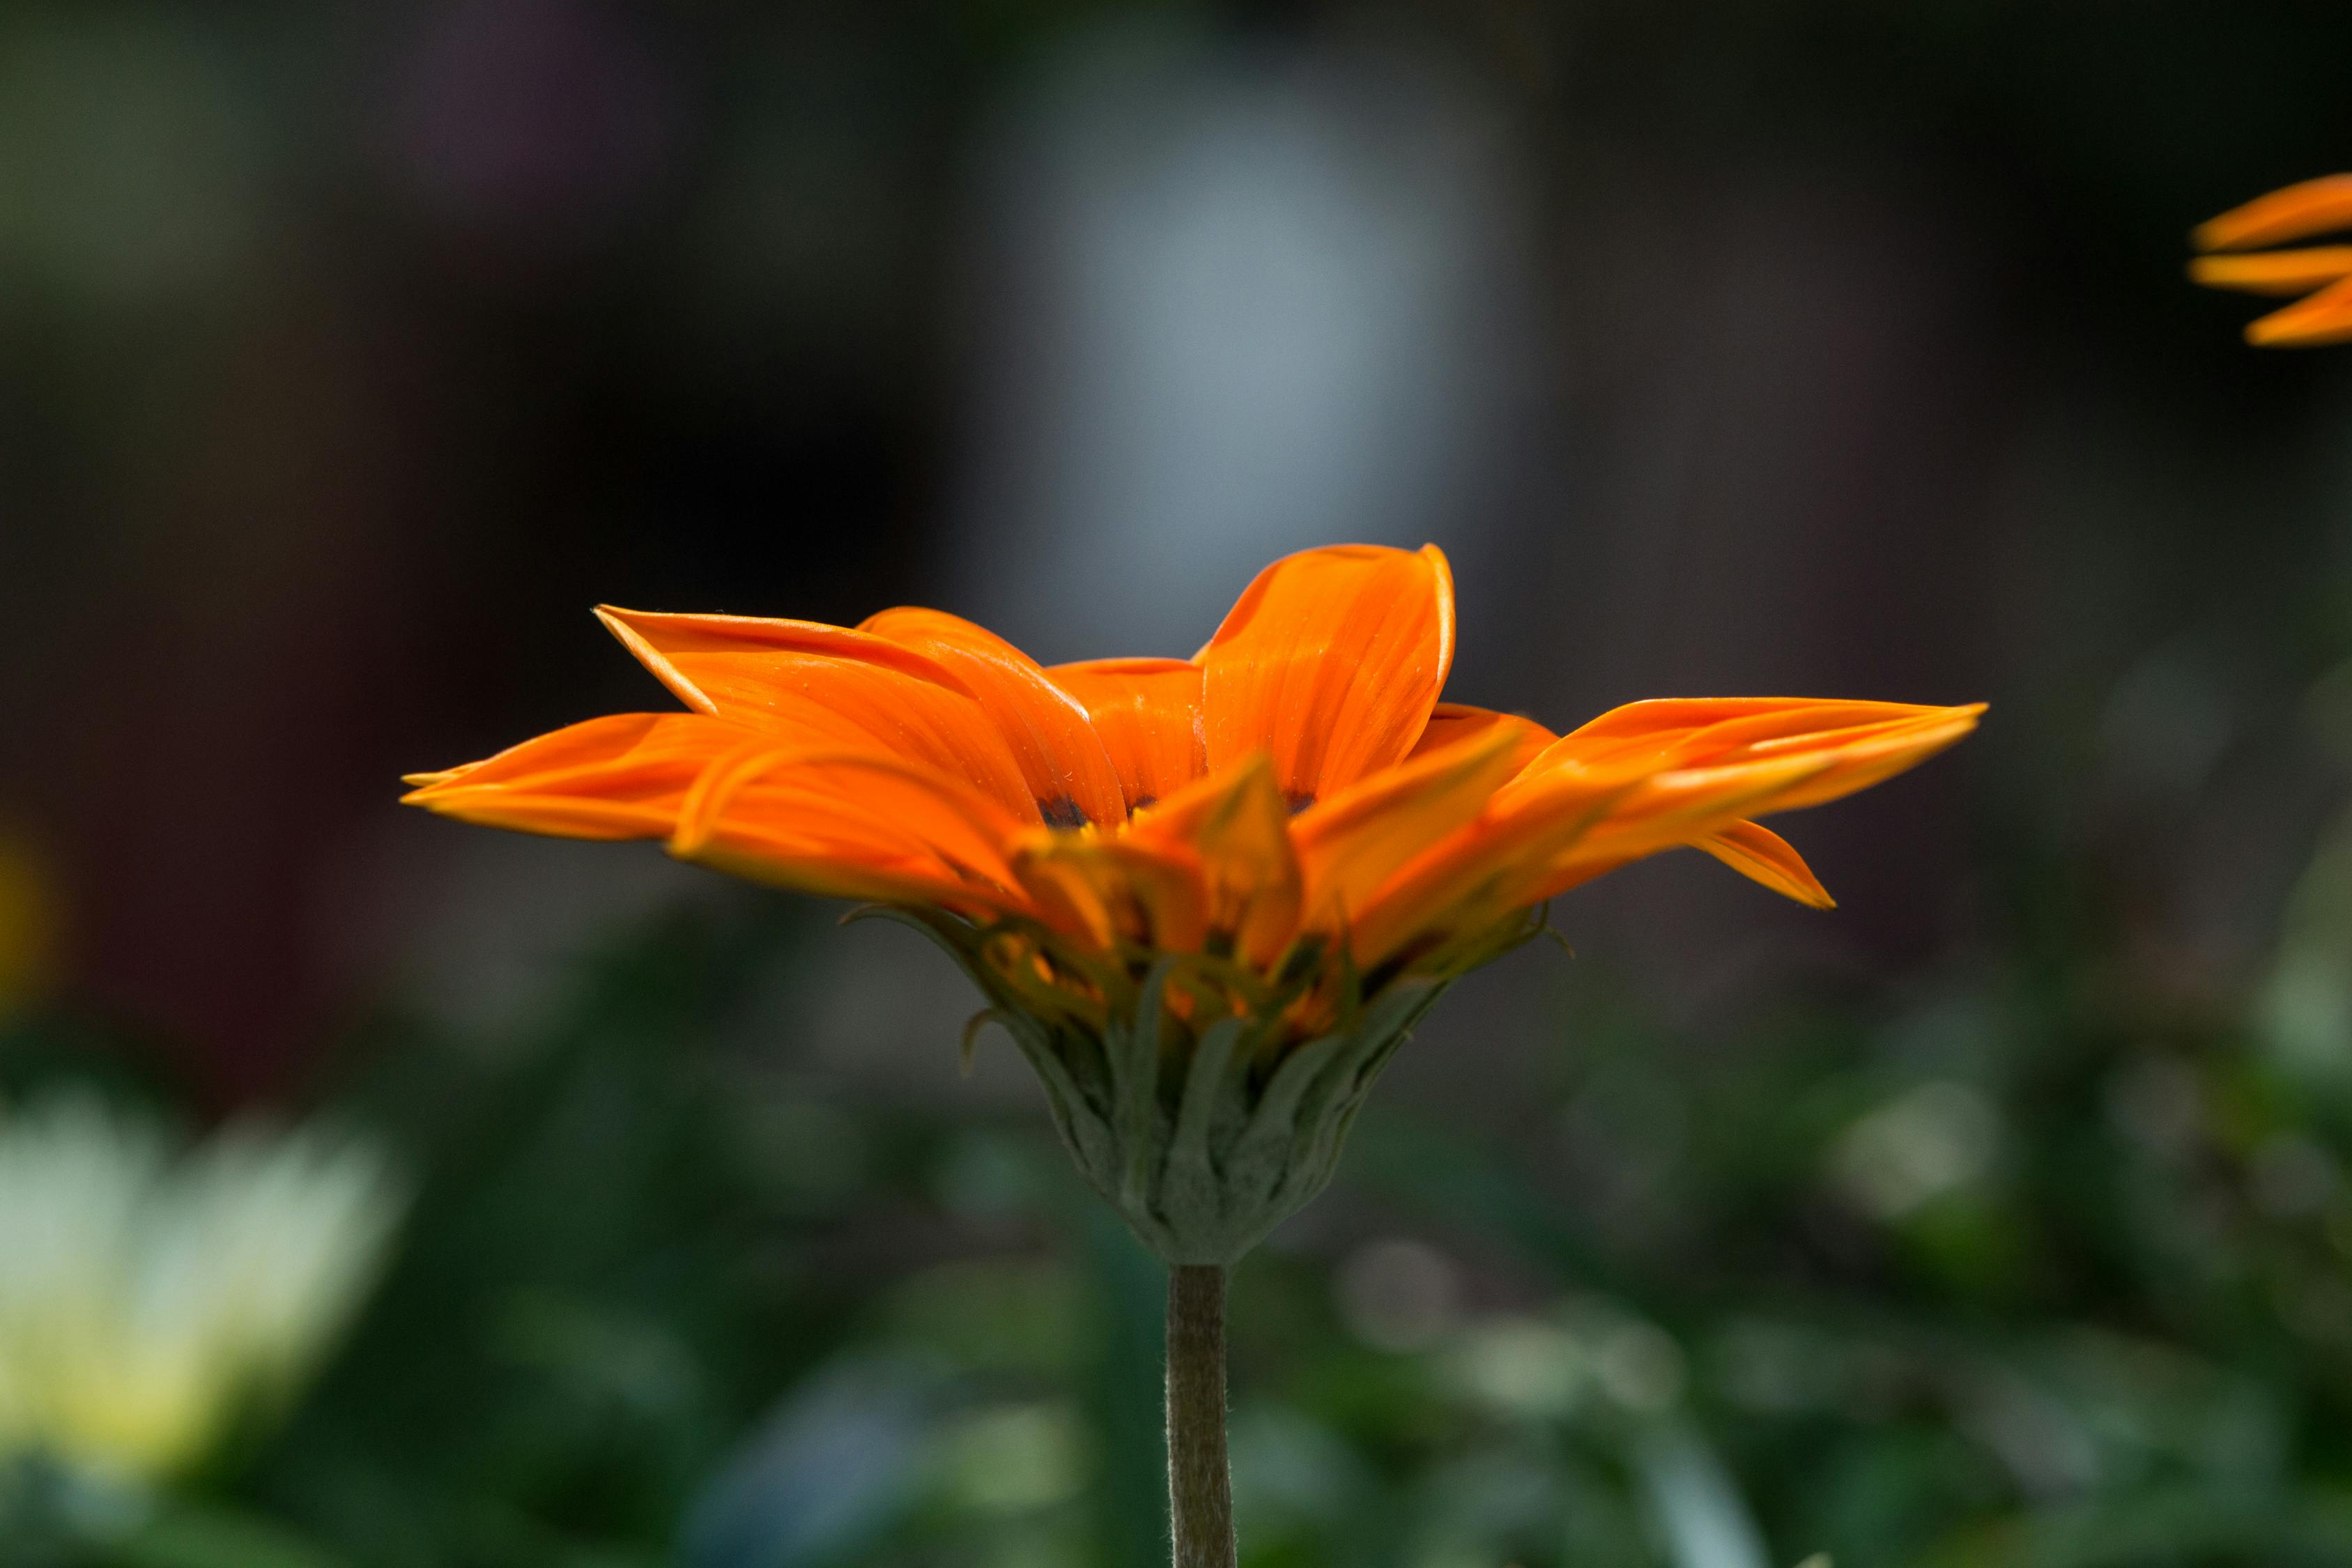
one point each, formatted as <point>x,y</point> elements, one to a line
<point>1193,1105</point>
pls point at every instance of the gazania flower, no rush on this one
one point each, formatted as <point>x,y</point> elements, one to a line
<point>1207,897</point>
<point>2320,274</point>
<point>1250,864</point>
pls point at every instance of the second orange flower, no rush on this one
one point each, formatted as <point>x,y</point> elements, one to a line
<point>2320,274</point>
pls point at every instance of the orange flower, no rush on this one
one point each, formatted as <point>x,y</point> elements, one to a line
<point>1296,780</point>
<point>1262,861</point>
<point>2322,274</point>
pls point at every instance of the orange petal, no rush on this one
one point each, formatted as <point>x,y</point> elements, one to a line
<point>2275,271</point>
<point>1146,712</point>
<point>814,685</point>
<point>1687,806</point>
<point>622,776</point>
<point>1855,734</point>
<point>2324,318</point>
<point>1693,731</point>
<point>1757,853</point>
<point>1453,722</point>
<point>849,823</point>
<point>1350,843</point>
<point>1667,810</point>
<point>1063,761</point>
<point>1330,661</point>
<point>1565,820</point>
<point>2315,206</point>
<point>1877,754</point>
<point>1112,891</point>
<point>1483,870</point>
<point>1763,856</point>
<point>1238,825</point>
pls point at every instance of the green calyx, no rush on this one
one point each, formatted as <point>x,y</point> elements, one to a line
<point>1178,1082</point>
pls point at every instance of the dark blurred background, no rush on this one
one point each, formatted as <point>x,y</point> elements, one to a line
<point>348,353</point>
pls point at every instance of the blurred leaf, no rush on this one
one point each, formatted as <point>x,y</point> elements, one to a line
<point>216,1535</point>
<point>1697,1504</point>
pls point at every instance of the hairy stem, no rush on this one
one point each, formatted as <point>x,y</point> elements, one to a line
<point>1200,1480</point>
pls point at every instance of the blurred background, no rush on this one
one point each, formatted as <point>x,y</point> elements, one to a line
<point>374,1191</point>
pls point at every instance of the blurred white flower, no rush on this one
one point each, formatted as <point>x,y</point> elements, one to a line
<point>152,1297</point>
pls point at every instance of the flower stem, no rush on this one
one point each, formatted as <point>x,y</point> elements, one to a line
<point>1200,1480</point>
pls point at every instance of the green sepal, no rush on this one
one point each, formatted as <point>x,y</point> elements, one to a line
<point>1203,1136</point>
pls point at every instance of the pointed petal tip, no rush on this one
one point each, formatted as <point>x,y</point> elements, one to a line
<point>627,625</point>
<point>1938,729</point>
<point>622,622</point>
<point>1769,860</point>
<point>446,799</point>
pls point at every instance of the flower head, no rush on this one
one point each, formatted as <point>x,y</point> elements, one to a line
<point>1207,896</point>
<point>2321,275</point>
<point>150,1300</point>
